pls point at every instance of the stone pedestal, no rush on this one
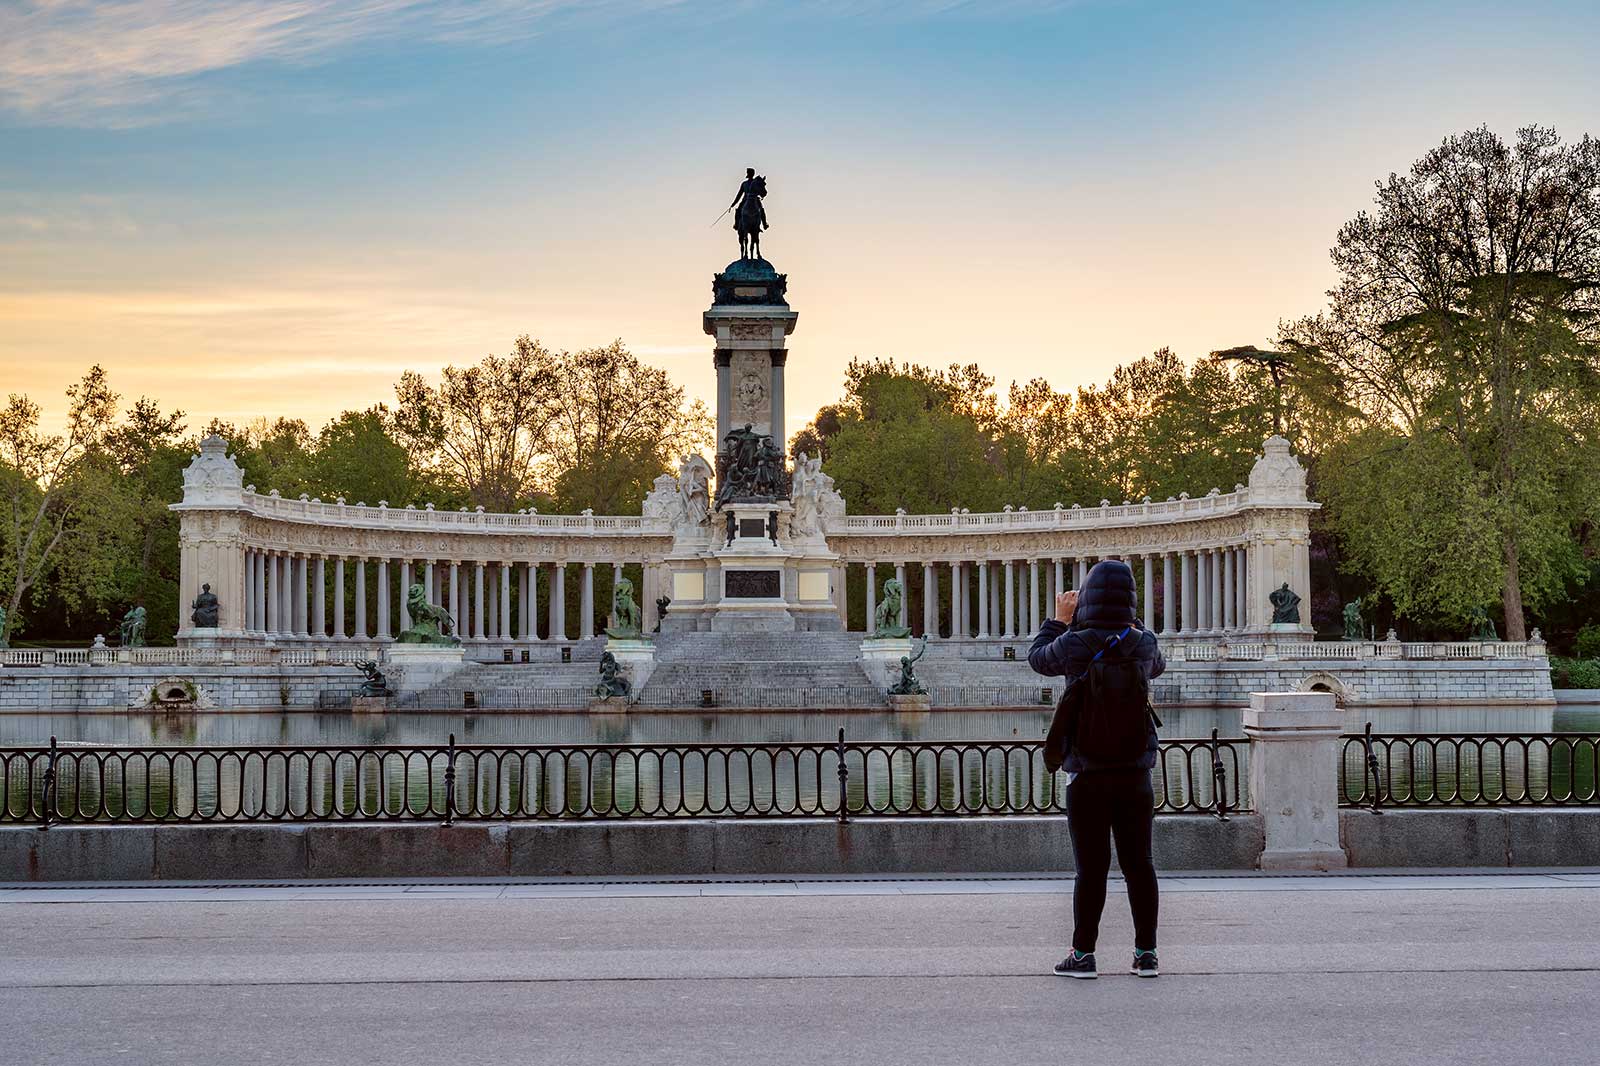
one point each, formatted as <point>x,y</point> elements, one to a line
<point>369,704</point>
<point>880,660</point>
<point>637,659</point>
<point>415,667</point>
<point>919,704</point>
<point>609,705</point>
<point>1294,777</point>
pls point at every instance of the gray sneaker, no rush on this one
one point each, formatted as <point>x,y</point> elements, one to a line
<point>1078,965</point>
<point>1144,964</point>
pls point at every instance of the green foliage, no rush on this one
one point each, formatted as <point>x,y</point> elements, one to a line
<point>1587,644</point>
<point>1574,673</point>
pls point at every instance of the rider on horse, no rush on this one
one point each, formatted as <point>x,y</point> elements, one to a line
<point>749,215</point>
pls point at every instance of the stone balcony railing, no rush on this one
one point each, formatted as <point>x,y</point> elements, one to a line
<point>425,518</point>
<point>1147,512</point>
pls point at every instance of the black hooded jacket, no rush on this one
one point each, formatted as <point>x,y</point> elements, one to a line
<point>1108,603</point>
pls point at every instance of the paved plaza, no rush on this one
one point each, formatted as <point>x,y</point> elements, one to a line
<point>1472,967</point>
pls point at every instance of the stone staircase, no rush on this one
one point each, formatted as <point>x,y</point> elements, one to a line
<point>542,686</point>
<point>761,670</point>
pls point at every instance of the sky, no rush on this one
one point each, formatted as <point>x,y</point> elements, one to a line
<point>255,208</point>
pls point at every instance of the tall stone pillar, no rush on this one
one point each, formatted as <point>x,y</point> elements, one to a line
<point>1033,598</point>
<point>750,319</point>
<point>405,589</point>
<point>319,603</point>
<point>586,603</point>
<point>983,600</point>
<point>362,632</point>
<point>872,596</point>
<point>272,595</point>
<point>301,622</point>
<point>1168,600</point>
<point>1149,593</point>
<point>996,579</point>
<point>338,599</point>
<point>930,601</point>
<point>1215,570</point>
<point>905,592</point>
<point>1229,621</point>
<point>1186,599</point>
<point>530,575</point>
<point>558,601</point>
<point>384,592</point>
<point>1010,628</point>
<point>505,602</point>
<point>476,628</point>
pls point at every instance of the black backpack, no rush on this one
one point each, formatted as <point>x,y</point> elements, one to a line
<point>1114,715</point>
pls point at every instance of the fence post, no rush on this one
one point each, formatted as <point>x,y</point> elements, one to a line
<point>844,782</point>
<point>1294,777</point>
<point>450,782</point>
<point>49,790</point>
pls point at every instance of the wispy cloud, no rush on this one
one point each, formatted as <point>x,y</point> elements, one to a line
<point>121,62</point>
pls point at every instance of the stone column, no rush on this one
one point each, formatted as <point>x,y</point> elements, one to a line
<point>530,576</point>
<point>966,601</point>
<point>319,605</point>
<point>872,596</point>
<point>455,597</point>
<point>586,603</point>
<point>302,624</point>
<point>905,593</point>
<point>930,601</point>
<point>558,601</point>
<point>362,633</point>
<point>1294,777</point>
<point>1033,598</point>
<point>955,600</point>
<point>1061,582</point>
<point>1229,621</point>
<point>1214,568</point>
<point>1168,600</point>
<point>1079,570</point>
<point>384,632</point>
<point>983,601</point>
<point>722,359</point>
<point>996,579</point>
<point>1010,621</point>
<point>1202,591</point>
<point>338,599</point>
<point>1186,596</point>
<point>1149,593</point>
<point>505,602</point>
<point>477,599</point>
<point>1241,595</point>
<point>257,585</point>
<point>270,595</point>
<point>779,357</point>
<point>405,587</point>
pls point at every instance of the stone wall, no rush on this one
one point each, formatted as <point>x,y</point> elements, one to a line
<point>124,687</point>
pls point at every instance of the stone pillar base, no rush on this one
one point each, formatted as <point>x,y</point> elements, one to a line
<point>609,705</point>
<point>637,659</point>
<point>416,667</point>
<point>880,659</point>
<point>917,704</point>
<point>1303,859</point>
<point>369,704</point>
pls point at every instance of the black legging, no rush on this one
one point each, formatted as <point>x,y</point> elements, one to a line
<point>1102,804</point>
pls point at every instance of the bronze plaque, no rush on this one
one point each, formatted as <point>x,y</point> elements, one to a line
<point>753,584</point>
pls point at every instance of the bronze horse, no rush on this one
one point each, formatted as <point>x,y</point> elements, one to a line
<point>750,219</point>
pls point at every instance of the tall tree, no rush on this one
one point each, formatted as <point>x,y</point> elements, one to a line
<point>619,424</point>
<point>1466,311</point>
<point>487,425</point>
<point>40,473</point>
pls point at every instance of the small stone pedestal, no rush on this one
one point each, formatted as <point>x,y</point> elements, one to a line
<point>1294,778</point>
<point>637,659</point>
<point>609,705</point>
<point>880,659</point>
<point>369,704</point>
<point>416,667</point>
<point>918,704</point>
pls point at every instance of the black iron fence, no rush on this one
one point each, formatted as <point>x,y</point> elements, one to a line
<point>838,779</point>
<point>1469,770</point>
